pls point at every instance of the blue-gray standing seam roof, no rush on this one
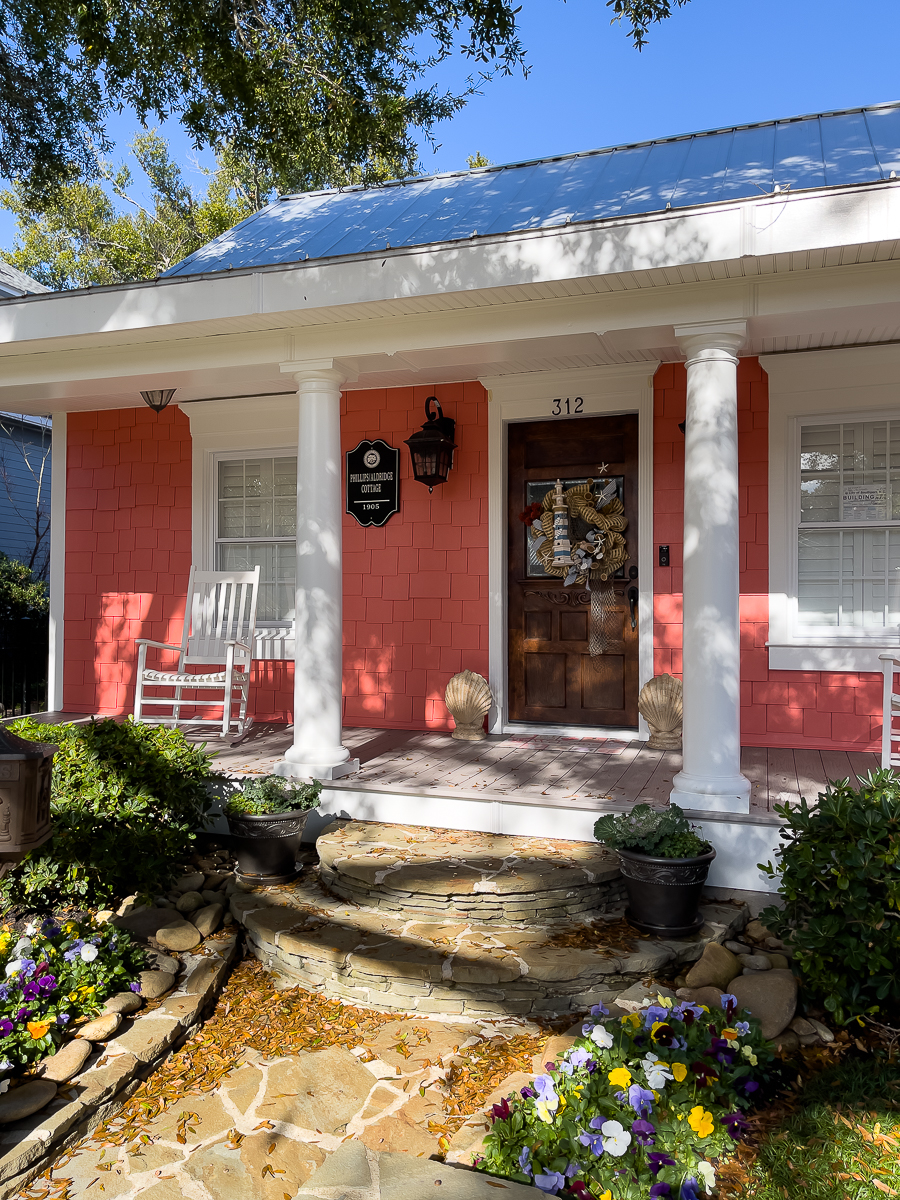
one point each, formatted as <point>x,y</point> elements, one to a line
<point>821,151</point>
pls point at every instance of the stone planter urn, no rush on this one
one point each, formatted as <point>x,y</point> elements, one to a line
<point>664,893</point>
<point>266,845</point>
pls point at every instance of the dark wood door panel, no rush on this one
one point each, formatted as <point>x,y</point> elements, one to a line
<point>553,677</point>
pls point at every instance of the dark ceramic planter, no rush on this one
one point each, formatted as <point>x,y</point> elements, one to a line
<point>664,893</point>
<point>266,845</point>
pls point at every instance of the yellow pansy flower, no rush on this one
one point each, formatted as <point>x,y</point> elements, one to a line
<point>730,1034</point>
<point>73,996</point>
<point>631,1019</point>
<point>543,1112</point>
<point>665,1001</point>
<point>86,991</point>
<point>701,1121</point>
<point>679,1070</point>
<point>607,1195</point>
<point>620,1077</point>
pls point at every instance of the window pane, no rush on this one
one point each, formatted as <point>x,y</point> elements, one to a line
<point>278,563</point>
<point>257,497</point>
<point>820,464</point>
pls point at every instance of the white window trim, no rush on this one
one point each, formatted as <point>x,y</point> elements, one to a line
<point>232,429</point>
<point>861,384</point>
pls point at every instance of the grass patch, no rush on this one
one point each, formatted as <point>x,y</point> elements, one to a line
<point>836,1138</point>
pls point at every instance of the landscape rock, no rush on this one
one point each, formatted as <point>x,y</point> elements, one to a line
<point>638,996</point>
<point>786,1041</point>
<point>26,1099</point>
<point>770,996</point>
<point>755,962</point>
<point>756,931</point>
<point>211,896</point>
<point>145,922</point>
<point>206,920</point>
<point>805,1031</point>
<point>189,883</point>
<point>103,916</point>
<point>155,983</point>
<point>716,967</point>
<point>123,1002</point>
<point>101,1028</point>
<point>555,1048</point>
<point>822,1030</point>
<point>189,901</point>
<point>738,948</point>
<point>164,962</point>
<point>780,961</point>
<point>709,996</point>
<point>774,943</point>
<point>183,936</point>
<point>127,905</point>
<point>66,1062</point>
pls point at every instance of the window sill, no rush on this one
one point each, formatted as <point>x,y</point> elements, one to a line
<point>819,655</point>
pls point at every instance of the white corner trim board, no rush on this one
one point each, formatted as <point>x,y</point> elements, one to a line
<point>56,655</point>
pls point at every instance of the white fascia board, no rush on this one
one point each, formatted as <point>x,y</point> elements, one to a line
<point>777,225</point>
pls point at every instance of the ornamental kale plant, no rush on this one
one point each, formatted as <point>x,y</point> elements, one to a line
<point>274,795</point>
<point>662,833</point>
<point>840,886</point>
<point>54,975</point>
<point>638,1107</point>
<point>126,799</point>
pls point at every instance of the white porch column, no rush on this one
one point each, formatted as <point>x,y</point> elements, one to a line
<point>317,751</point>
<point>711,778</point>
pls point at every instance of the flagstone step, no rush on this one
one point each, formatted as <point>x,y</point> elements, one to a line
<point>454,967</point>
<point>449,873</point>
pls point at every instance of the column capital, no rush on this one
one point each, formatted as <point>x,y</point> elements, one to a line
<point>319,370</point>
<point>704,340</point>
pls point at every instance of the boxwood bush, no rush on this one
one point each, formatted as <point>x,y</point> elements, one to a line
<point>126,801</point>
<point>839,879</point>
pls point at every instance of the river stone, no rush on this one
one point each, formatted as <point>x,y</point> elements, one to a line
<point>805,1031</point>
<point>822,1030</point>
<point>709,996</point>
<point>183,936</point>
<point>756,932</point>
<point>211,896</point>
<point>780,962</point>
<point>145,922</point>
<point>755,962</point>
<point>207,919</point>
<point>104,915</point>
<point>26,1099</point>
<point>67,1062</point>
<point>716,967</point>
<point>101,1028</point>
<point>164,962</point>
<point>123,1002</point>
<point>189,883</point>
<point>189,902</point>
<point>155,983</point>
<point>770,996</point>
<point>738,948</point>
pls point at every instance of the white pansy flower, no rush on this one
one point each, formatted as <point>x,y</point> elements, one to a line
<point>88,952</point>
<point>601,1037</point>
<point>658,1074</point>
<point>13,967</point>
<point>31,929</point>
<point>615,1139</point>
<point>22,945</point>
<point>707,1174</point>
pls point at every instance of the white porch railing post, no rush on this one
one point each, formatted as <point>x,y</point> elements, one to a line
<point>711,778</point>
<point>317,751</point>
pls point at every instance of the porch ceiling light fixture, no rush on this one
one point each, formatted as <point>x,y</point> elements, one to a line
<point>159,399</point>
<point>431,447</point>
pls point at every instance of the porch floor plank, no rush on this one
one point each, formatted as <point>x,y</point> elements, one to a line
<point>658,787</point>
<point>611,771</point>
<point>837,765</point>
<point>637,775</point>
<point>862,763</point>
<point>755,765</point>
<point>783,785</point>
<point>810,773</point>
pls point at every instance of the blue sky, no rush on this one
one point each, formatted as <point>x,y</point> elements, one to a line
<point>715,63</point>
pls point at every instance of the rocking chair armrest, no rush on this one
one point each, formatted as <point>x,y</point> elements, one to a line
<point>158,645</point>
<point>890,656</point>
<point>238,645</point>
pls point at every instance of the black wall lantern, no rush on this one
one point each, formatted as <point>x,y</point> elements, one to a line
<point>431,448</point>
<point>159,399</point>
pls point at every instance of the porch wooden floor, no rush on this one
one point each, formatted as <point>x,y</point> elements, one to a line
<point>561,769</point>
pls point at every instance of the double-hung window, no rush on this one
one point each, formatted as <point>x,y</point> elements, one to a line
<point>848,539</point>
<point>256,524</point>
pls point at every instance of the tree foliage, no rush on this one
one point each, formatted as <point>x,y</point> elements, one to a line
<point>21,595</point>
<point>278,82</point>
<point>641,14</point>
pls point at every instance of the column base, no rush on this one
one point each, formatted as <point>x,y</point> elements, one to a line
<point>730,793</point>
<point>303,770</point>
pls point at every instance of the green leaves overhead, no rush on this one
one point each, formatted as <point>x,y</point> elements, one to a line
<point>289,84</point>
<point>641,14</point>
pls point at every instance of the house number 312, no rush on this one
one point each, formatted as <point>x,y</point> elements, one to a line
<point>565,408</point>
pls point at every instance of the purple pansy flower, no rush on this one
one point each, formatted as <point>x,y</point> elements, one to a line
<point>23,1014</point>
<point>743,1027</point>
<point>47,983</point>
<point>6,1028</point>
<point>74,951</point>
<point>525,1161</point>
<point>750,1085</point>
<point>643,1132</point>
<point>599,1010</point>
<point>135,987</point>
<point>729,1003</point>
<point>656,1161</point>
<point>31,991</point>
<point>735,1124</point>
<point>579,1058</point>
<point>501,1111</point>
<point>660,1189</point>
<point>690,1190</point>
<point>593,1141</point>
<point>653,1013</point>
<point>63,1019</point>
<point>641,1100</point>
<point>529,1093</point>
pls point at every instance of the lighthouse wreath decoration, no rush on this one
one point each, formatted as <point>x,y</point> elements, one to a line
<point>590,561</point>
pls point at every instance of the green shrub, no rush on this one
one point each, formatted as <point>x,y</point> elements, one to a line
<point>660,832</point>
<point>840,882</point>
<point>638,1107</point>
<point>54,975</point>
<point>274,795</point>
<point>21,595</point>
<point>126,800</point>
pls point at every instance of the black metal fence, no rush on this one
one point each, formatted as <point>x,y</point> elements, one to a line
<point>23,666</point>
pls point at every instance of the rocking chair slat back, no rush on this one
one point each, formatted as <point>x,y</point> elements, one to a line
<point>222,609</point>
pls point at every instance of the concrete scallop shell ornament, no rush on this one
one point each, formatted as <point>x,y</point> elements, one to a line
<point>660,704</point>
<point>468,699</point>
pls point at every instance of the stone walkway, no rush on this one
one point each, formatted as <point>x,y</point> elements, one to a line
<point>272,1121</point>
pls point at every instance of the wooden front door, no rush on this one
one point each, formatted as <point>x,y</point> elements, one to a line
<point>552,676</point>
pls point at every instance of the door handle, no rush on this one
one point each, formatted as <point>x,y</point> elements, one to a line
<point>632,605</point>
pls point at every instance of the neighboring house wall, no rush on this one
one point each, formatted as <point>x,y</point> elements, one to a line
<point>415,591</point>
<point>814,709</point>
<point>24,451</point>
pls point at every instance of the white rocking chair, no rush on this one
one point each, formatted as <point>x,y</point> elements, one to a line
<point>890,757</point>
<point>219,630</point>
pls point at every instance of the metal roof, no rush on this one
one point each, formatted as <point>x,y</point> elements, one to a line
<point>825,150</point>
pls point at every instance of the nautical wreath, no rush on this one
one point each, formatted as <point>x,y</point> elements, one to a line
<point>593,559</point>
